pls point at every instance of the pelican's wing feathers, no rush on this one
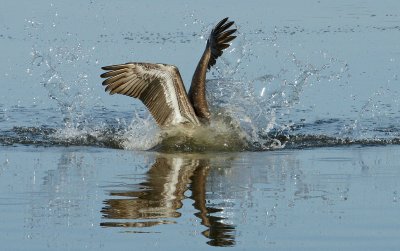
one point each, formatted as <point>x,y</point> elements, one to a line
<point>219,39</point>
<point>158,86</point>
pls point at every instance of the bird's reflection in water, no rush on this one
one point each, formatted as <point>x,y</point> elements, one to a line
<point>157,200</point>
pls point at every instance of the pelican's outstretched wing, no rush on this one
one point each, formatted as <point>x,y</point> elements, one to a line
<point>217,41</point>
<point>158,86</point>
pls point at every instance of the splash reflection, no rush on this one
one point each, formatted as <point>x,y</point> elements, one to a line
<point>157,200</point>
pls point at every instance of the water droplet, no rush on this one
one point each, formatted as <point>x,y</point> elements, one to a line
<point>262,92</point>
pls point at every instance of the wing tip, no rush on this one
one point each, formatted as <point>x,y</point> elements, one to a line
<point>116,67</point>
<point>103,75</point>
<point>107,68</point>
<point>220,39</point>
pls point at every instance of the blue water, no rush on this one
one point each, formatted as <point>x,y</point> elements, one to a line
<point>320,78</point>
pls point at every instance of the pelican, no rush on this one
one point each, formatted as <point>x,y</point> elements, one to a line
<point>160,86</point>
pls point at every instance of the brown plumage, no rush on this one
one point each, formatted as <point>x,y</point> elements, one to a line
<point>160,86</point>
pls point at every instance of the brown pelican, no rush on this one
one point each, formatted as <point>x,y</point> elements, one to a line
<point>160,86</point>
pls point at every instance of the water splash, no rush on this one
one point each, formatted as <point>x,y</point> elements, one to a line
<point>142,133</point>
<point>65,81</point>
<point>264,105</point>
<point>378,117</point>
<point>255,107</point>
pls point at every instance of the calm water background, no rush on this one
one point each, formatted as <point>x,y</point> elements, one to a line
<point>322,74</point>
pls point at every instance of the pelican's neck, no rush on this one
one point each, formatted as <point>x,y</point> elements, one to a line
<point>197,92</point>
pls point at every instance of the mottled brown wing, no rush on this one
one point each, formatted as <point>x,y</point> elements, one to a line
<point>158,86</point>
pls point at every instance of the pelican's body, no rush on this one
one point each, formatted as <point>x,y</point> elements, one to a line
<point>160,86</point>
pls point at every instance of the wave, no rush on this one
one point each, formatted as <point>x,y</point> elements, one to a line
<point>48,137</point>
<point>178,142</point>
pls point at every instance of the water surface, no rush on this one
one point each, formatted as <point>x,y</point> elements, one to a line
<point>330,198</point>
